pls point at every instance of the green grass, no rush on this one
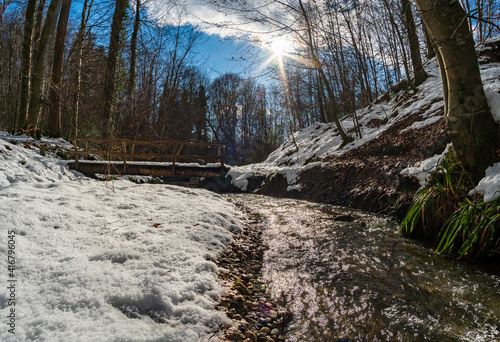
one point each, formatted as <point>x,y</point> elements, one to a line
<point>458,225</point>
<point>473,231</point>
<point>432,207</point>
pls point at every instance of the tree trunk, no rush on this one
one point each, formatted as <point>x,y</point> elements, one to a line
<point>39,65</point>
<point>398,34</point>
<point>109,83</point>
<point>78,62</point>
<point>27,54</point>
<point>57,68</point>
<point>133,52</point>
<point>416,59</point>
<point>470,125</point>
<point>431,53</point>
<point>130,104</point>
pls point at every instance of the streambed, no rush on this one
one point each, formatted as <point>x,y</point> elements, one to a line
<point>349,275</point>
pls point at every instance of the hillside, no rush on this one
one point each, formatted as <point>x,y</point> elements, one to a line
<point>403,135</point>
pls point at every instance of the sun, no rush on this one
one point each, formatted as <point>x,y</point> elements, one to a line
<point>279,46</point>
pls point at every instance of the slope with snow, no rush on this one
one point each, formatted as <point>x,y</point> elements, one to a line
<point>309,146</point>
<point>107,261</point>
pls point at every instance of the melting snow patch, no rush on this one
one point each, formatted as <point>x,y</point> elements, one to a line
<point>489,186</point>
<point>424,168</point>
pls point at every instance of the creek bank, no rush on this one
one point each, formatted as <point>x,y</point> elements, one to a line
<point>368,177</point>
<point>255,316</point>
<point>400,129</point>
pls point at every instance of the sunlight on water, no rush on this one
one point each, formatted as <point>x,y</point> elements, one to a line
<point>361,280</point>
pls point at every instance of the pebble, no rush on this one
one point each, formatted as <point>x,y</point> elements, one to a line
<point>265,330</point>
<point>246,301</point>
<point>251,336</point>
<point>241,288</point>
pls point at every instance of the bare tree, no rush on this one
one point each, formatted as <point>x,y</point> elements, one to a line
<point>78,48</point>
<point>57,69</point>
<point>39,64</point>
<point>416,59</point>
<point>108,110</point>
<point>26,61</point>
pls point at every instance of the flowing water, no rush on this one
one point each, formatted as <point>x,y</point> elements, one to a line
<point>362,281</point>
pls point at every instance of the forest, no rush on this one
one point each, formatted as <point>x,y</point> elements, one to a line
<point>353,128</point>
<point>119,69</point>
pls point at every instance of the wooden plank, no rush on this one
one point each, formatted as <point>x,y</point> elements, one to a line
<point>119,168</point>
<point>146,156</point>
<point>157,143</point>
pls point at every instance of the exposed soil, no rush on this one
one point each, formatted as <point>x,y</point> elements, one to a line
<point>369,177</point>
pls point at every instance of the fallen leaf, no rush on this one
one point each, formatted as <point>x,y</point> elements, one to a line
<point>156,225</point>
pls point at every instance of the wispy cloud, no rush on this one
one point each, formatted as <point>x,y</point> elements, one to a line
<point>213,18</point>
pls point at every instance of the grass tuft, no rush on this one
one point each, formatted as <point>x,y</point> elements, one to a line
<point>473,231</point>
<point>444,214</point>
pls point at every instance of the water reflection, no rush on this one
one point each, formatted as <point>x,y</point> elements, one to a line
<point>361,280</point>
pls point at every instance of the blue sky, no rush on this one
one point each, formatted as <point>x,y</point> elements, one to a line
<point>226,55</point>
<point>226,43</point>
<point>232,42</point>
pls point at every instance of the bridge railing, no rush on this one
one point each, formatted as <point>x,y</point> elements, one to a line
<point>118,149</point>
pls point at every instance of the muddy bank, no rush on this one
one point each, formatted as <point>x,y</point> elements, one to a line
<point>368,177</point>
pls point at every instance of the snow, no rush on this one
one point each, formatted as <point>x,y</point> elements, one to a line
<point>423,169</point>
<point>489,186</point>
<point>107,261</point>
<point>310,145</point>
<point>320,140</point>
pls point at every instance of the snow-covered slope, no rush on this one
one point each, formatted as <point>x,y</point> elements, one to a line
<point>105,261</point>
<point>320,140</point>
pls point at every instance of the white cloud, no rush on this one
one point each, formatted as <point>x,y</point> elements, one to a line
<point>213,19</point>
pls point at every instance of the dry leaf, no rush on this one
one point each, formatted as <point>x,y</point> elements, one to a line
<point>156,225</point>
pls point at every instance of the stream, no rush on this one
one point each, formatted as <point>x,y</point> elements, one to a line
<point>362,281</point>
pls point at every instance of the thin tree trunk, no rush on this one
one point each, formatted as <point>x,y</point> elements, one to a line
<point>78,74</point>
<point>108,110</point>
<point>431,53</point>
<point>396,31</point>
<point>57,68</point>
<point>133,51</point>
<point>317,64</point>
<point>416,59</point>
<point>130,92</point>
<point>470,125</point>
<point>40,63</point>
<point>27,55</point>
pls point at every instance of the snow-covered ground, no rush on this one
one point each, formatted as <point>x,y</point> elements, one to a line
<point>105,261</point>
<point>319,140</point>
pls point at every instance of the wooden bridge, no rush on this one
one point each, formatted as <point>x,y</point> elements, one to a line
<point>165,158</point>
